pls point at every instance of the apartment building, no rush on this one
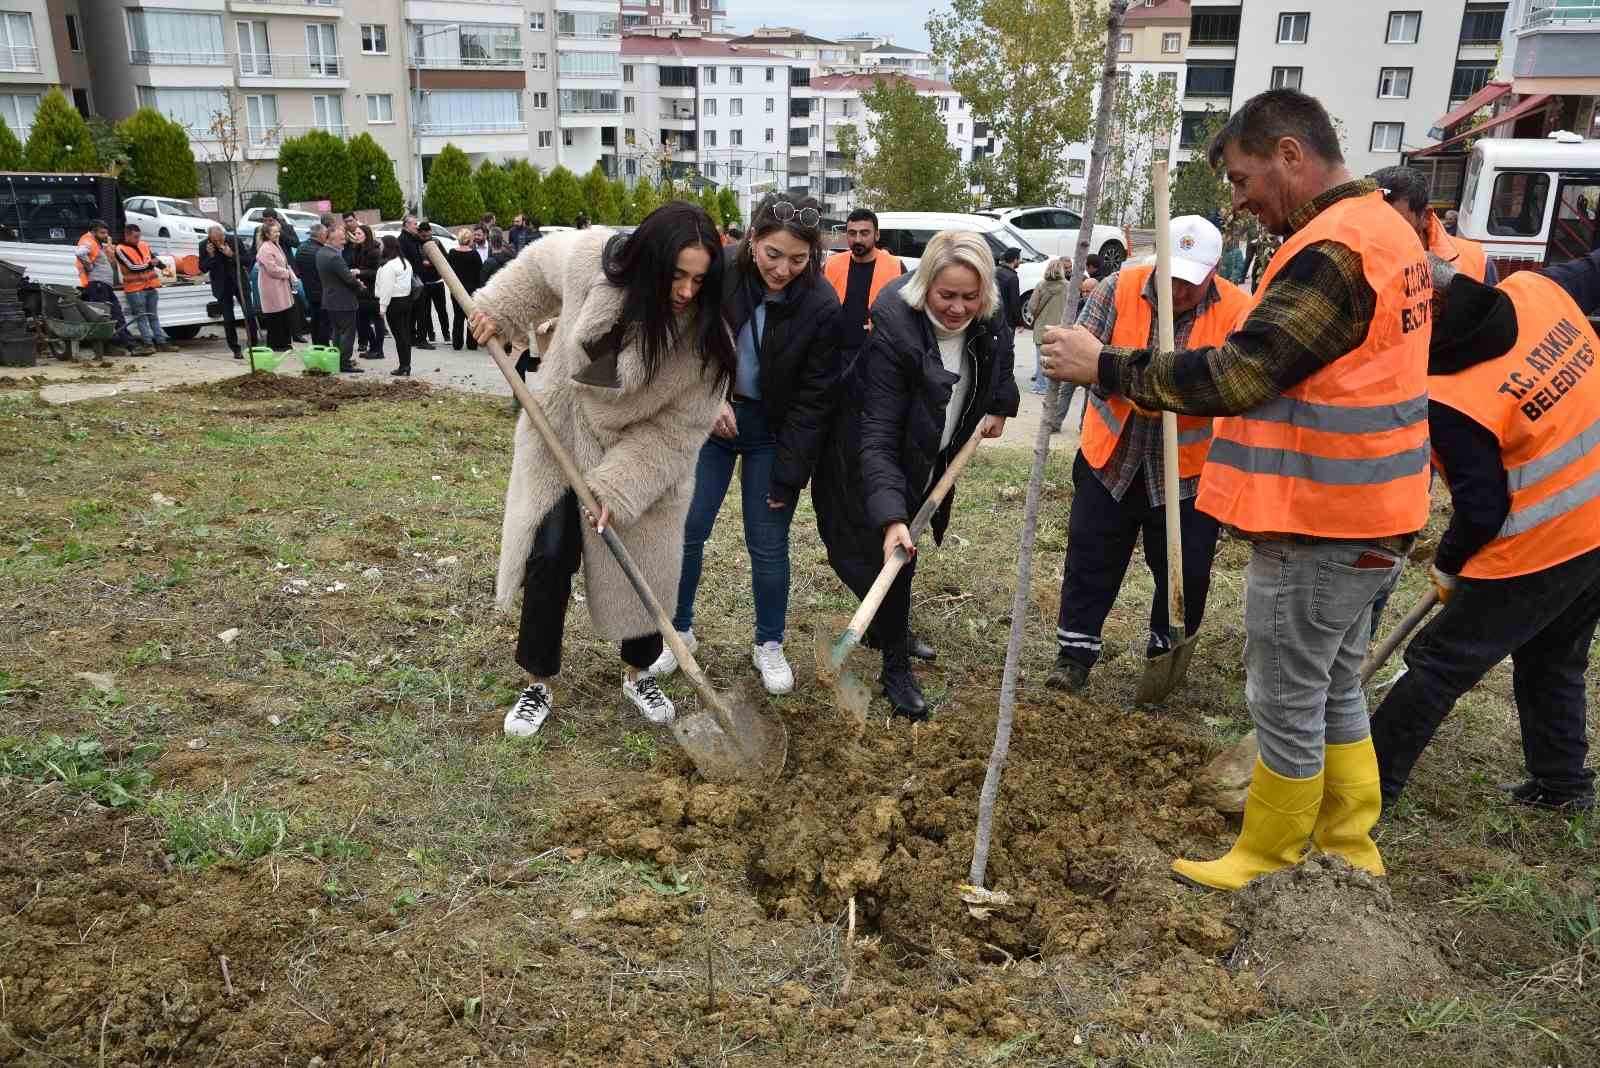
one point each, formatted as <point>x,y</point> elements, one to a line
<point>796,44</point>
<point>41,48</point>
<point>707,16</point>
<point>589,84</point>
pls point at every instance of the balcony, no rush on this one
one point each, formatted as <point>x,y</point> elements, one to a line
<point>484,126</point>
<point>271,137</point>
<point>1556,49</point>
<point>675,112</point>
<point>500,62</point>
<point>1546,14</point>
<point>18,59</point>
<point>277,66</point>
<point>143,57</point>
<point>321,9</point>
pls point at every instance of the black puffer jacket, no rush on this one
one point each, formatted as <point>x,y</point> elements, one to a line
<point>799,366</point>
<point>884,454</point>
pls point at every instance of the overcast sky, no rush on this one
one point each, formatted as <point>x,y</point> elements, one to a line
<point>901,19</point>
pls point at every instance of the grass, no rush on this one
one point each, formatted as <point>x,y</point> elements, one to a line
<point>83,766</point>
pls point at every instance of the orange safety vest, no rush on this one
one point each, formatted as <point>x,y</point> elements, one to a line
<point>885,269</point>
<point>1466,256</point>
<point>1107,416</point>
<point>138,282</point>
<point>1542,401</point>
<point>1342,454</point>
<point>95,252</point>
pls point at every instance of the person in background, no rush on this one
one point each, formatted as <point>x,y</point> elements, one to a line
<point>365,260</point>
<point>275,281</point>
<point>289,242</point>
<point>97,273</point>
<point>469,269</point>
<point>486,222</point>
<point>936,370</point>
<point>435,302</point>
<point>288,239</point>
<point>224,266</point>
<point>1005,278</point>
<point>480,243</point>
<point>517,234</point>
<point>305,267</point>
<point>858,279</point>
<point>141,284</point>
<point>500,254</point>
<point>639,363</point>
<point>535,229</point>
<point>783,319</point>
<point>1233,267</point>
<point>582,221</point>
<point>1044,307</point>
<point>1451,219</point>
<point>1406,190</point>
<point>392,288</point>
<point>341,298</point>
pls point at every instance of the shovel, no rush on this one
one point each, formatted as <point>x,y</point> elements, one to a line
<point>735,739</point>
<point>1164,673</point>
<point>1226,780</point>
<point>850,694</point>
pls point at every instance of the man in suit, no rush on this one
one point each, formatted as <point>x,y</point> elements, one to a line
<point>225,265</point>
<point>1005,278</point>
<point>306,258</point>
<point>341,298</point>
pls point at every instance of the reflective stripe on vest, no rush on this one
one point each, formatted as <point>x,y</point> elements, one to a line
<point>133,282</point>
<point>1343,453</point>
<point>1541,399</point>
<point>1132,329</point>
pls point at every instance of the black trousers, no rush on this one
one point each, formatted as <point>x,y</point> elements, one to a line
<point>399,317</point>
<point>1545,622</point>
<point>547,591</point>
<point>230,328</point>
<point>343,326</point>
<point>1100,538</point>
<point>433,300</point>
<point>277,324</point>
<point>458,327</point>
<point>369,328</point>
<point>321,329</point>
<point>101,293</point>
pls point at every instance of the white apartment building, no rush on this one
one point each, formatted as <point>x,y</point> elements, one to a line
<point>41,47</point>
<point>588,83</point>
<point>707,16</point>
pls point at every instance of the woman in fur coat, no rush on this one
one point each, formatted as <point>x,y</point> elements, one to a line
<point>633,379</point>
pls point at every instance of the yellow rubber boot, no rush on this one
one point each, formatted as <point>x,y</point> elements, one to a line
<point>1278,816</point>
<point>1350,805</point>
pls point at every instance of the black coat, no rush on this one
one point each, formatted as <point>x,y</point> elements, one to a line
<point>305,266</point>
<point>468,267</point>
<point>341,291</point>
<point>288,239</point>
<point>421,266</point>
<point>883,454</point>
<point>495,261</point>
<point>799,366</point>
<point>221,270</point>
<point>1010,286</point>
<point>365,262</point>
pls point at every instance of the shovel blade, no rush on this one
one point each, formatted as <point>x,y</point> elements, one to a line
<point>1164,674</point>
<point>850,695</point>
<point>749,744</point>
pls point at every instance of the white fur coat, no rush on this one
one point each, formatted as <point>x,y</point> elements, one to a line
<point>635,442</point>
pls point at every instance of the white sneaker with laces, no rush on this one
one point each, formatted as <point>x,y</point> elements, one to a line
<point>533,707</point>
<point>666,663</point>
<point>646,695</point>
<point>776,674</point>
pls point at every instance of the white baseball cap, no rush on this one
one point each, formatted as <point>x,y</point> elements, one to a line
<point>1196,248</point>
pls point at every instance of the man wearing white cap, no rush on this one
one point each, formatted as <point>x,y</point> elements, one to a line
<point>1117,478</point>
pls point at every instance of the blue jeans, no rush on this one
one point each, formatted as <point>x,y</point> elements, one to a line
<point>766,530</point>
<point>143,305</point>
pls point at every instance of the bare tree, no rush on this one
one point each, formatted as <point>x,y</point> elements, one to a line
<point>225,146</point>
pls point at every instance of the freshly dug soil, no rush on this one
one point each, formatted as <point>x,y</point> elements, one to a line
<point>312,388</point>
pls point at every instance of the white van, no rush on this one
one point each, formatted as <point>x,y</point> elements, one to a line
<point>907,233</point>
<point>1532,201</point>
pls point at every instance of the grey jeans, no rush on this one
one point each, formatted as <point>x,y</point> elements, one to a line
<point>1308,621</point>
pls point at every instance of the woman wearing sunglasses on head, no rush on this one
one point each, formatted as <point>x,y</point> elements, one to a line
<point>781,314</point>
<point>935,370</point>
<point>635,372</point>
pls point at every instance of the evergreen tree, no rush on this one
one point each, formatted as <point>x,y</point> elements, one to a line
<point>560,198</point>
<point>61,140</point>
<point>317,166</point>
<point>376,184</point>
<point>619,198</point>
<point>1199,188</point>
<point>707,199</point>
<point>452,197</point>
<point>728,206</point>
<point>160,161</point>
<point>10,149</point>
<point>641,202</point>
<point>597,196</point>
<point>525,182</point>
<point>494,186</point>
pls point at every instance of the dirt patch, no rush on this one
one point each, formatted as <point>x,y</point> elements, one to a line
<point>314,389</point>
<point>1324,933</point>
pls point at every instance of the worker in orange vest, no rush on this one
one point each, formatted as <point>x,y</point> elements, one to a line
<point>1407,191</point>
<point>1514,402</point>
<point>97,274</point>
<point>858,279</point>
<point>1117,478</point>
<point>1319,458</point>
<point>141,283</point>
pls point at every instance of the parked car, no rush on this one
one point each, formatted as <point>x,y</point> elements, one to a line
<point>1055,231</point>
<point>907,233</point>
<point>251,222</point>
<point>166,217</point>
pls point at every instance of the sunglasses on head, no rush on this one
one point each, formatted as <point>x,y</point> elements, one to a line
<point>784,212</point>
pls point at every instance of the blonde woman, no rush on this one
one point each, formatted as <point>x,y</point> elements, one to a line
<point>468,265</point>
<point>936,369</point>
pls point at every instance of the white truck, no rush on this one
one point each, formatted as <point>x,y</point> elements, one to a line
<point>1532,201</point>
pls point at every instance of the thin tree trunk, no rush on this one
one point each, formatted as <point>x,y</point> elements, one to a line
<point>1041,454</point>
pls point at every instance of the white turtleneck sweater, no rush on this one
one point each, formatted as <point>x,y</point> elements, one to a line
<point>952,352</point>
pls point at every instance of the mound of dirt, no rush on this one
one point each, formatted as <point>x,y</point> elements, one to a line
<point>315,389</point>
<point>1324,933</point>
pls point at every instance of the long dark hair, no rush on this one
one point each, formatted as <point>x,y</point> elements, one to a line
<point>764,222</point>
<point>391,248</point>
<point>642,265</point>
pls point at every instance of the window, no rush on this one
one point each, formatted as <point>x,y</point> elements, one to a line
<point>254,55</point>
<point>1209,79</point>
<point>587,24</point>
<point>380,107</point>
<point>736,75</point>
<point>676,77</point>
<point>1125,42</point>
<point>1294,27</point>
<point>1482,24</point>
<point>630,167</point>
<point>536,20</point>
<point>327,112</point>
<point>589,64</point>
<point>944,105</point>
<point>191,108</point>
<point>74,42</point>
<point>1287,77</point>
<point>736,108</point>
<point>627,105</point>
<point>1517,207</point>
<point>961,128</point>
<point>1076,168</point>
<point>322,49</point>
<point>541,101</point>
<point>374,39</point>
<point>772,105</point>
<point>772,135</point>
<point>1214,26</point>
<point>18,110</point>
<point>261,118</point>
<point>539,60</point>
<point>1386,136</point>
<point>176,38</point>
<point>772,74</point>
<point>566,138</point>
<point>627,72</point>
<point>588,102</point>
<point>711,76</point>
<point>1573,231</point>
<point>546,139</point>
<point>736,169</point>
<point>798,139</point>
<point>445,111</point>
<point>711,139</point>
<point>1469,77</point>
<point>80,100</point>
<point>711,168</point>
<point>1195,124</point>
<point>1394,83</point>
<point>1167,78</point>
<point>1172,42</point>
<point>629,138</point>
<point>736,137</point>
<point>799,77</point>
<point>708,108</point>
<point>1404,27</point>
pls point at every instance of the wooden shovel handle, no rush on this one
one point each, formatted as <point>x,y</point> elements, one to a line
<point>1380,655</point>
<point>1177,625</point>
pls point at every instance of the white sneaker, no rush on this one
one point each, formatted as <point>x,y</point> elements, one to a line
<point>533,707</point>
<point>646,695</point>
<point>776,674</point>
<point>666,663</point>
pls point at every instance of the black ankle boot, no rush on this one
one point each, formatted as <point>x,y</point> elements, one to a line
<point>900,687</point>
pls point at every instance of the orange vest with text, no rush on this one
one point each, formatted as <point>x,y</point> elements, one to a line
<point>136,283</point>
<point>1342,454</point>
<point>1108,416</point>
<point>1542,401</point>
<point>95,252</point>
<point>1466,256</point>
